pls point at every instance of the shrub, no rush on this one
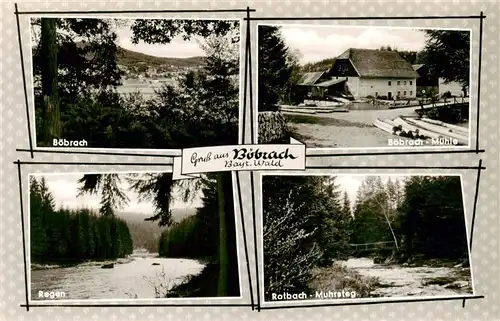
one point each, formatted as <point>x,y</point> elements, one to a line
<point>272,127</point>
<point>446,94</point>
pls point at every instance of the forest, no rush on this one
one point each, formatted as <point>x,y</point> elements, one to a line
<point>198,237</point>
<point>76,75</point>
<point>72,235</point>
<point>206,234</point>
<point>309,222</point>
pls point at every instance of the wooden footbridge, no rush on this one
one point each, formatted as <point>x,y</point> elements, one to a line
<point>372,247</point>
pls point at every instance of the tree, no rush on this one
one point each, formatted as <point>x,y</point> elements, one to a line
<point>38,234</point>
<point>447,55</point>
<point>66,234</point>
<point>211,112</point>
<point>346,205</point>
<point>290,252</point>
<point>321,65</point>
<point>373,217</point>
<point>113,197</point>
<point>408,55</point>
<point>86,52</point>
<point>304,227</point>
<point>164,30</point>
<point>71,59</point>
<point>275,67</point>
<point>49,70</point>
<point>202,111</point>
<point>433,221</point>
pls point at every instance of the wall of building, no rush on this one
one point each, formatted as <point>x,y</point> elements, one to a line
<point>363,87</point>
<point>353,85</point>
<point>453,87</point>
<point>406,88</point>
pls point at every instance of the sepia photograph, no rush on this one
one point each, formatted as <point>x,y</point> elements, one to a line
<point>135,83</point>
<point>345,237</point>
<point>363,87</point>
<point>126,236</point>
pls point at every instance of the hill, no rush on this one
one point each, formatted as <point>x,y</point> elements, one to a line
<point>130,59</point>
<point>321,65</point>
<point>146,234</point>
<point>177,215</point>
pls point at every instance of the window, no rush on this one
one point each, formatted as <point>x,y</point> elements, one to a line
<point>399,82</point>
<point>411,92</point>
<point>376,94</point>
<point>404,93</point>
<point>399,93</point>
<point>404,82</point>
<point>411,82</point>
<point>389,82</point>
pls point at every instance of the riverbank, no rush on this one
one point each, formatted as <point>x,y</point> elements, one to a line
<point>316,131</point>
<point>338,277</point>
<point>371,280</point>
<point>347,130</point>
<point>142,277</point>
<point>65,263</point>
<point>203,285</point>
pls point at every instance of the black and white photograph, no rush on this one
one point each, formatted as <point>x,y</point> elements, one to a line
<point>127,236</point>
<point>352,87</point>
<point>347,237</point>
<point>135,83</point>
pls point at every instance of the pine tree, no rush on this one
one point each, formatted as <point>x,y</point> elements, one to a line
<point>447,55</point>
<point>274,69</point>
<point>38,235</point>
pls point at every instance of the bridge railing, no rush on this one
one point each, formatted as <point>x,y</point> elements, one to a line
<point>372,246</point>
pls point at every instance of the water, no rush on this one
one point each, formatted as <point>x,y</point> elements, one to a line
<point>366,106</point>
<point>397,280</point>
<point>144,86</point>
<point>134,277</point>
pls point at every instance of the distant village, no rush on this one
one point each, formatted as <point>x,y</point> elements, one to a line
<point>141,71</point>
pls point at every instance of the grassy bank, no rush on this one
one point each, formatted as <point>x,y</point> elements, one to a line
<point>338,277</point>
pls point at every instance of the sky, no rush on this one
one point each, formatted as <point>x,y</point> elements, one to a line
<point>351,183</point>
<point>64,188</point>
<point>178,48</point>
<point>320,42</point>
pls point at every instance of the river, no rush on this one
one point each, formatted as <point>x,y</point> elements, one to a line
<point>398,280</point>
<point>131,278</point>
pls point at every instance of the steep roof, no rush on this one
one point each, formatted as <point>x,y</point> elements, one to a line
<point>310,78</point>
<point>379,63</point>
<point>329,83</point>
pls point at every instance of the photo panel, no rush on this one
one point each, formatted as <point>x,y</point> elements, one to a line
<point>132,236</point>
<point>134,83</point>
<point>347,238</point>
<point>364,87</point>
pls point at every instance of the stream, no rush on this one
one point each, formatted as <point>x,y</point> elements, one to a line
<point>398,280</point>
